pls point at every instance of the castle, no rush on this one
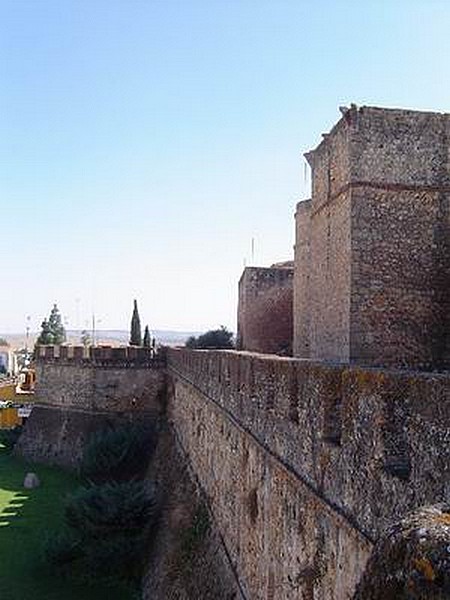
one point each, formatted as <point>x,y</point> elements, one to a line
<point>371,276</point>
<point>304,460</point>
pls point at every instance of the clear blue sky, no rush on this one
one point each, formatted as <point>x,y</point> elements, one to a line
<point>144,143</point>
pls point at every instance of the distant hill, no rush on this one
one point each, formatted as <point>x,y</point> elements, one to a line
<point>104,336</point>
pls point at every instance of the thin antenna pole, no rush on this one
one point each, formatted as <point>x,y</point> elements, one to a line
<point>77,305</point>
<point>253,250</point>
<point>28,334</point>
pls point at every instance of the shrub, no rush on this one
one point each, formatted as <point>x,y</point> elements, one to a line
<point>103,510</point>
<point>118,454</point>
<point>9,437</point>
<point>62,549</point>
<point>107,531</point>
<point>121,556</point>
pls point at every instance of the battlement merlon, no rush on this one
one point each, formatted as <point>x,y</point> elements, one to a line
<point>383,148</point>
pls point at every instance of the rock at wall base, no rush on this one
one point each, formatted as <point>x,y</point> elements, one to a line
<point>31,481</point>
<point>412,560</point>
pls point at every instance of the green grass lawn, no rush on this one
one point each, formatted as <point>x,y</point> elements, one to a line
<point>26,518</point>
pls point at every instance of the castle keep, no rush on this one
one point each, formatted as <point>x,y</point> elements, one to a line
<point>372,253</point>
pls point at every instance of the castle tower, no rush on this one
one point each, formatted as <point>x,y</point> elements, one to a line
<point>265,309</point>
<point>372,259</point>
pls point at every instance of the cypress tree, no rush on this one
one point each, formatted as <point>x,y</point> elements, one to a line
<point>147,342</point>
<point>136,334</point>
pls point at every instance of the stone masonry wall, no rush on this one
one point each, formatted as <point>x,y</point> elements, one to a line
<point>329,277</point>
<point>99,387</point>
<point>329,273</point>
<point>398,313</point>
<point>77,393</point>
<point>305,464</point>
<point>400,238</point>
<point>379,272</point>
<point>301,300</point>
<point>265,310</point>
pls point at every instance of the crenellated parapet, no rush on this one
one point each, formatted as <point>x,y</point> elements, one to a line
<point>132,356</point>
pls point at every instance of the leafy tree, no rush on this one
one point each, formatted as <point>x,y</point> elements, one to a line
<point>3,342</point>
<point>136,334</point>
<point>213,339</point>
<point>52,329</point>
<point>147,341</point>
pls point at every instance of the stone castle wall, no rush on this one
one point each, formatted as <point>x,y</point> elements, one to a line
<point>109,379</point>
<point>378,231</point>
<point>81,390</point>
<point>301,300</point>
<point>304,464</point>
<point>265,322</point>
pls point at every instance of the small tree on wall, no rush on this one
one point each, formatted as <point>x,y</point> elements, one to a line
<point>135,334</point>
<point>52,329</point>
<point>56,326</point>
